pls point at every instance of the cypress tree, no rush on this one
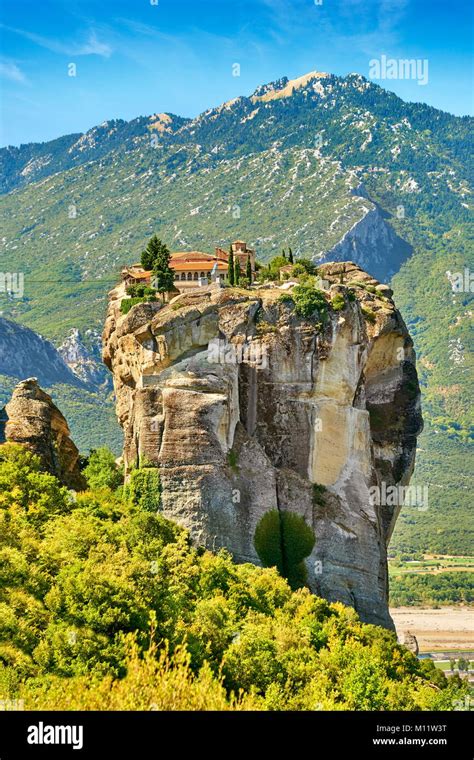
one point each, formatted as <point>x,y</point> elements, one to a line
<point>237,272</point>
<point>163,275</point>
<point>231,268</point>
<point>248,272</point>
<point>290,256</point>
<point>151,252</point>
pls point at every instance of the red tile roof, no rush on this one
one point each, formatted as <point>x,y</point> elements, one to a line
<point>139,275</point>
<point>196,266</point>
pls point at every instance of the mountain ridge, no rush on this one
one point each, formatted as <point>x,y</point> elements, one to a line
<point>140,125</point>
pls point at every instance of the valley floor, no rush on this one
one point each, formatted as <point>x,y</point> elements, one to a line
<point>448,628</point>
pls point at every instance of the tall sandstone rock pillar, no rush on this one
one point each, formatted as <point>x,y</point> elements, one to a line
<point>246,407</point>
<point>33,420</point>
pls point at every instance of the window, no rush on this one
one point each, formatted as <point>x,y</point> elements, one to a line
<point>202,275</point>
<point>183,276</point>
<point>190,275</point>
<point>195,275</point>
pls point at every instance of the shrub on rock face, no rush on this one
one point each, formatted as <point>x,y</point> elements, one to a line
<point>309,301</point>
<point>144,489</point>
<point>283,540</point>
<point>338,302</point>
<point>318,494</point>
<point>129,303</point>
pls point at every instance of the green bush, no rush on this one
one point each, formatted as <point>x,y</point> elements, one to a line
<point>351,296</point>
<point>102,471</point>
<point>309,302</point>
<point>140,291</point>
<point>305,265</point>
<point>283,540</point>
<point>338,302</point>
<point>129,303</point>
<point>25,488</point>
<point>143,489</point>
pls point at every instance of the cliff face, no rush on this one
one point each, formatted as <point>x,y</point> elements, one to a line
<point>35,422</point>
<point>373,244</point>
<point>246,407</point>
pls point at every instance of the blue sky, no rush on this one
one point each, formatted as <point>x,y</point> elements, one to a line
<point>137,57</point>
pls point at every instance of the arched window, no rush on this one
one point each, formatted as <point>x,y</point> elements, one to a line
<point>202,275</point>
<point>190,275</point>
<point>195,275</point>
<point>183,276</point>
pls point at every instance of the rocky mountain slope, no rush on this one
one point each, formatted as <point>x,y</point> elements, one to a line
<point>245,407</point>
<point>24,353</point>
<point>29,163</point>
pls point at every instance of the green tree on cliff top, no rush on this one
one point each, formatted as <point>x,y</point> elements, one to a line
<point>230,268</point>
<point>156,257</point>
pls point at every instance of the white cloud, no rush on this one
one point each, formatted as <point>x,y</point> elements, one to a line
<point>10,71</point>
<point>91,46</point>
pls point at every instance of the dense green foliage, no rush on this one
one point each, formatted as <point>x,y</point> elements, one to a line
<point>272,270</point>
<point>283,540</point>
<point>305,266</point>
<point>102,471</point>
<point>104,605</point>
<point>237,272</point>
<point>129,303</point>
<point>152,253</point>
<point>431,589</point>
<point>446,527</point>
<point>144,488</point>
<point>231,267</point>
<point>140,291</point>
<point>310,302</point>
<point>338,302</point>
